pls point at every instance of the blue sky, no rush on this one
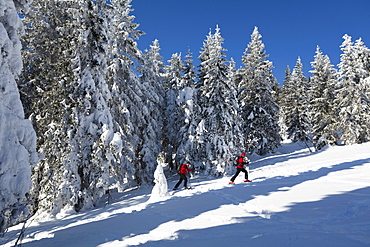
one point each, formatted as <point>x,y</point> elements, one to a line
<point>289,28</point>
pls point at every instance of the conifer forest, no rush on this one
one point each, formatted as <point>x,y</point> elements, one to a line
<point>84,111</point>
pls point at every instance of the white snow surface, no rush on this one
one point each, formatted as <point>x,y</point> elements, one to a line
<point>296,198</point>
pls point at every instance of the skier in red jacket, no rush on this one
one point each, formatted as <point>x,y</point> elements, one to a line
<point>242,160</point>
<point>184,169</point>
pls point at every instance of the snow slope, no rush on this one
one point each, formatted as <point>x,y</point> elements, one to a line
<point>296,199</point>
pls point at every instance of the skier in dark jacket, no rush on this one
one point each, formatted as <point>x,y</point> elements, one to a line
<point>184,169</point>
<point>242,160</point>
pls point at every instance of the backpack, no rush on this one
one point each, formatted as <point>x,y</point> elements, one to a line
<point>178,169</point>
<point>236,160</point>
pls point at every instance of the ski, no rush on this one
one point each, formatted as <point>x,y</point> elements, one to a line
<point>176,190</point>
<point>245,181</point>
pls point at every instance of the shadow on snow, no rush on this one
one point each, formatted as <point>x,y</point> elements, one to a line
<point>119,226</point>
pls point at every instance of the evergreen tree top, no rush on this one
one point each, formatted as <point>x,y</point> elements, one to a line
<point>255,53</point>
<point>212,47</point>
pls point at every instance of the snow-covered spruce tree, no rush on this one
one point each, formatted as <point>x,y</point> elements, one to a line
<point>322,87</point>
<point>296,106</point>
<point>126,92</point>
<point>174,70</point>
<point>352,101</point>
<point>150,133</point>
<point>258,86</point>
<point>46,45</point>
<point>69,39</point>
<point>218,137</point>
<point>17,137</point>
<point>189,71</point>
<point>173,115</point>
<point>91,131</point>
<point>283,102</point>
<point>187,103</point>
<point>45,89</point>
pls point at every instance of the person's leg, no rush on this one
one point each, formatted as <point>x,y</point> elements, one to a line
<point>236,174</point>
<point>245,174</point>
<point>185,181</point>
<point>179,182</point>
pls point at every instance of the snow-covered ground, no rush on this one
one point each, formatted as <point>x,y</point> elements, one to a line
<point>296,199</point>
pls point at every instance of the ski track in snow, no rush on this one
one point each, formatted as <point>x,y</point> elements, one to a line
<point>296,199</point>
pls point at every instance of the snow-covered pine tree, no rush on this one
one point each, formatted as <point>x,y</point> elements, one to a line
<point>152,96</point>
<point>283,102</point>
<point>352,100</point>
<point>322,87</point>
<point>126,91</point>
<point>259,109</point>
<point>73,111</point>
<point>174,70</point>
<point>91,131</point>
<point>218,133</point>
<point>232,70</point>
<point>189,71</point>
<point>45,90</point>
<point>173,115</point>
<point>17,137</point>
<point>187,103</point>
<point>296,110</point>
<point>155,68</point>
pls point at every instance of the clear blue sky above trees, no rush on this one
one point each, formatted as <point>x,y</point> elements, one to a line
<point>289,28</point>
